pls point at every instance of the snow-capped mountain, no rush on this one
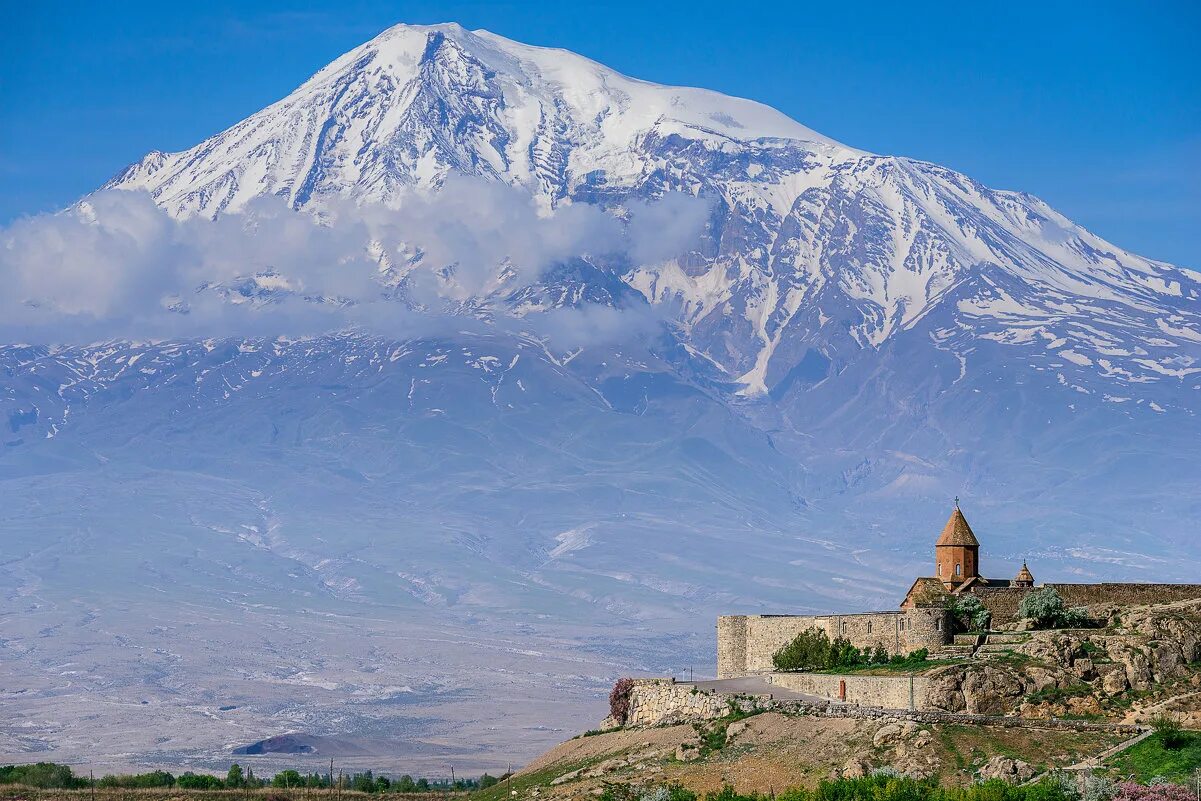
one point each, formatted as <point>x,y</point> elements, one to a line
<point>812,244</point>
<point>851,341</point>
<point>419,102</point>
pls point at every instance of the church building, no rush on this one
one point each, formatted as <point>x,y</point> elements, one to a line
<point>957,567</point>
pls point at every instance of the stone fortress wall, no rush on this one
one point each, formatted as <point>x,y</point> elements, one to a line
<point>889,692</point>
<point>746,643</point>
<point>1003,602</point>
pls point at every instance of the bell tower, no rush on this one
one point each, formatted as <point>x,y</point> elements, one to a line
<point>957,552</point>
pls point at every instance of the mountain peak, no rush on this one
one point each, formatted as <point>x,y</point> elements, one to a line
<point>813,246</point>
<point>374,122</point>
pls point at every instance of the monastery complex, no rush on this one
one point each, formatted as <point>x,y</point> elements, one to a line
<point>746,643</point>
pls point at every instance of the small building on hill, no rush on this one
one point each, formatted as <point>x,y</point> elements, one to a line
<point>747,643</point>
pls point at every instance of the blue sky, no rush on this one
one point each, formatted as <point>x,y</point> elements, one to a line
<point>1095,106</point>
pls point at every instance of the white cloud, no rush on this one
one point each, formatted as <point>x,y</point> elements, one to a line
<point>118,266</point>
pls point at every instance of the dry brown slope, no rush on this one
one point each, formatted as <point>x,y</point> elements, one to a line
<point>772,751</point>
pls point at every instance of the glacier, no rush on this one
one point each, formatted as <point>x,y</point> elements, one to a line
<point>410,538</point>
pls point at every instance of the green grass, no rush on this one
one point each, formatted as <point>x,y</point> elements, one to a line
<point>524,783</point>
<point>1149,759</point>
<point>713,735</point>
<point>1017,660</point>
<point>1055,695</point>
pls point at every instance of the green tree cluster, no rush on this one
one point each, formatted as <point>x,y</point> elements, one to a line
<point>969,614</point>
<point>50,775</point>
<point>814,650</point>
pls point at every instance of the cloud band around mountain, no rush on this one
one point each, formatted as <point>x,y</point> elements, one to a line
<point>118,266</point>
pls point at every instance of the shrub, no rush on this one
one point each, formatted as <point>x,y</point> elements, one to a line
<point>1048,610</point>
<point>287,779</point>
<point>198,781</point>
<point>1098,788</point>
<point>889,785</point>
<point>619,700</point>
<point>1129,791</point>
<point>1171,736</point>
<point>843,654</point>
<point>155,778</point>
<point>619,791</point>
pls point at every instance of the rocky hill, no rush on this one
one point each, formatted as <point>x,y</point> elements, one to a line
<point>1141,659</point>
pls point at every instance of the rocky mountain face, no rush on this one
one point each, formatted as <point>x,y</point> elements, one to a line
<point>773,418</point>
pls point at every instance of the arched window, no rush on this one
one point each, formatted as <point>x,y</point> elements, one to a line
<point>958,570</point>
<point>869,627</point>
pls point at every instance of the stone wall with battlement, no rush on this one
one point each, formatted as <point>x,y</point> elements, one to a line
<point>746,643</point>
<point>1003,602</point>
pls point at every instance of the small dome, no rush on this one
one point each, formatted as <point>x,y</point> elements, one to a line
<point>1024,576</point>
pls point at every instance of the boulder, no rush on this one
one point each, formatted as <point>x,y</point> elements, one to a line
<point>989,690</point>
<point>1112,678</point>
<point>1040,678</point>
<point>1138,667</point>
<point>566,777</point>
<point>945,691</point>
<point>1084,706</point>
<point>891,733</point>
<point>688,753</point>
<point>855,768</point>
<point>1007,769</point>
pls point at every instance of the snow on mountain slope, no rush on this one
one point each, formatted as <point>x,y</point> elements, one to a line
<point>811,245</point>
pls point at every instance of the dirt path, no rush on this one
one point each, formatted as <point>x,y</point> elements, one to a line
<point>1137,711</point>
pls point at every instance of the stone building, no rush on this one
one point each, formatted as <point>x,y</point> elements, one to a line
<point>746,643</point>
